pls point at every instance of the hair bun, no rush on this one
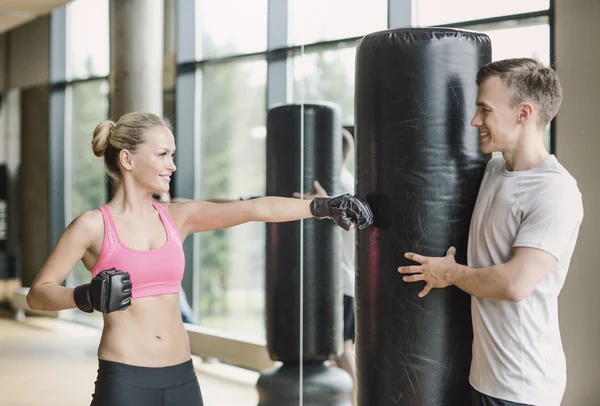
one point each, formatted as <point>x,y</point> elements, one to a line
<point>100,140</point>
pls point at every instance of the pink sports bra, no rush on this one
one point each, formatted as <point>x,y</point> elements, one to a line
<point>154,272</point>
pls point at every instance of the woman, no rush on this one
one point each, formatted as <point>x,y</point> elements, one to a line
<point>133,248</point>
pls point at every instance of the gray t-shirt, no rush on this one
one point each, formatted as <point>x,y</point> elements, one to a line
<point>517,349</point>
<point>347,241</point>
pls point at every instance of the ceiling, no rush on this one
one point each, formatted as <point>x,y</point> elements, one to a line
<point>16,12</point>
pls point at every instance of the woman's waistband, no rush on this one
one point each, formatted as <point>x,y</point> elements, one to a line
<point>147,377</point>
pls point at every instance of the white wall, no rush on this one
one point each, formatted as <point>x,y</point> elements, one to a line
<point>578,143</point>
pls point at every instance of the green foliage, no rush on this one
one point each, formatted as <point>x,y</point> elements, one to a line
<point>329,79</point>
<point>88,180</point>
<point>231,106</point>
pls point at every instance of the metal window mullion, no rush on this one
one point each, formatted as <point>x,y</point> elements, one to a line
<point>552,24</point>
<point>279,76</point>
<point>57,197</point>
<point>186,31</point>
<point>58,45</point>
<point>57,121</point>
<point>401,13</point>
<point>68,154</point>
<point>187,112</point>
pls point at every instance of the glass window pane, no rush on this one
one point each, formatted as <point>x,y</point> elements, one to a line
<point>229,27</point>
<point>433,12</point>
<point>87,187</point>
<point>87,39</point>
<point>528,41</point>
<point>326,75</point>
<point>233,155</point>
<point>317,20</point>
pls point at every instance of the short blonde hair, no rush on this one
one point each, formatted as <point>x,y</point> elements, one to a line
<point>527,80</point>
<point>128,133</point>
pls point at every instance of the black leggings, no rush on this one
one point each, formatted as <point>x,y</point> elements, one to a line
<point>127,385</point>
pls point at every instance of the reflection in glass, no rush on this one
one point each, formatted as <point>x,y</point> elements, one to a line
<point>326,75</point>
<point>87,187</point>
<point>435,12</point>
<point>230,27</point>
<point>87,39</point>
<point>316,20</point>
<point>232,164</point>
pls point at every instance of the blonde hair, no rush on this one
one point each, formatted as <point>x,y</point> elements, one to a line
<point>128,133</point>
<point>527,80</point>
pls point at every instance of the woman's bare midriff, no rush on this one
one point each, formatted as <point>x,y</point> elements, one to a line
<point>148,333</point>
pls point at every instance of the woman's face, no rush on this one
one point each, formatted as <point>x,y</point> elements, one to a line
<point>152,163</point>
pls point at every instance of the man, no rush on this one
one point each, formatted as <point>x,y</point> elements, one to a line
<point>522,235</point>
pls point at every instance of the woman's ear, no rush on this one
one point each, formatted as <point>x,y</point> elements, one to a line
<point>126,159</point>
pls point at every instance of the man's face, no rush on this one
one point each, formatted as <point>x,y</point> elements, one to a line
<point>496,119</point>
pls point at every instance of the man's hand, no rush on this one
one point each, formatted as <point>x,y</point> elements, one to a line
<point>433,270</point>
<point>320,192</point>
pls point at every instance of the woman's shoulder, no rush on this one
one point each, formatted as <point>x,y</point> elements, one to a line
<point>174,211</point>
<point>89,223</point>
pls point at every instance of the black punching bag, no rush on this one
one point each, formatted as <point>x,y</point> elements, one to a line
<point>420,165</point>
<point>304,143</point>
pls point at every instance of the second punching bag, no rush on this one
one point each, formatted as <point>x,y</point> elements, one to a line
<point>304,143</point>
<point>420,166</point>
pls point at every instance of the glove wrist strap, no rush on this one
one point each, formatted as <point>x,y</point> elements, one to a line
<point>83,298</point>
<point>319,209</point>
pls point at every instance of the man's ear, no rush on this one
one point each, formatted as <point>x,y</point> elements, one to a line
<point>126,159</point>
<point>524,113</point>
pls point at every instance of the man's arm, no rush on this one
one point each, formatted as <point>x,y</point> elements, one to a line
<point>512,281</point>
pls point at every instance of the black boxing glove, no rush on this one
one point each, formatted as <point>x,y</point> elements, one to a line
<point>108,291</point>
<point>344,210</point>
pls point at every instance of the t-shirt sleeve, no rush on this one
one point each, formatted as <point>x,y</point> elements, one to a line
<point>551,220</point>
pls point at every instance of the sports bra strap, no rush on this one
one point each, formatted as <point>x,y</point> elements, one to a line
<point>110,233</point>
<point>168,221</point>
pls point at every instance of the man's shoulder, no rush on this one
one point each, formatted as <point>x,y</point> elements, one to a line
<point>556,177</point>
<point>562,172</point>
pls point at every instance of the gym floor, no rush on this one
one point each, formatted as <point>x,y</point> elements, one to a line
<point>50,362</point>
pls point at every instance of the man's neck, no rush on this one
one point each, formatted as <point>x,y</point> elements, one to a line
<point>525,163</point>
<point>528,154</point>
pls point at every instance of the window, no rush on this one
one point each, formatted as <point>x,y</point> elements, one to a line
<point>317,20</point>
<point>436,12</point>
<point>87,39</point>
<point>86,180</point>
<point>230,27</point>
<point>233,164</point>
<point>326,75</point>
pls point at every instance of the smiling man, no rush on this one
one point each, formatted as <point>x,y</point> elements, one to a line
<point>522,235</point>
